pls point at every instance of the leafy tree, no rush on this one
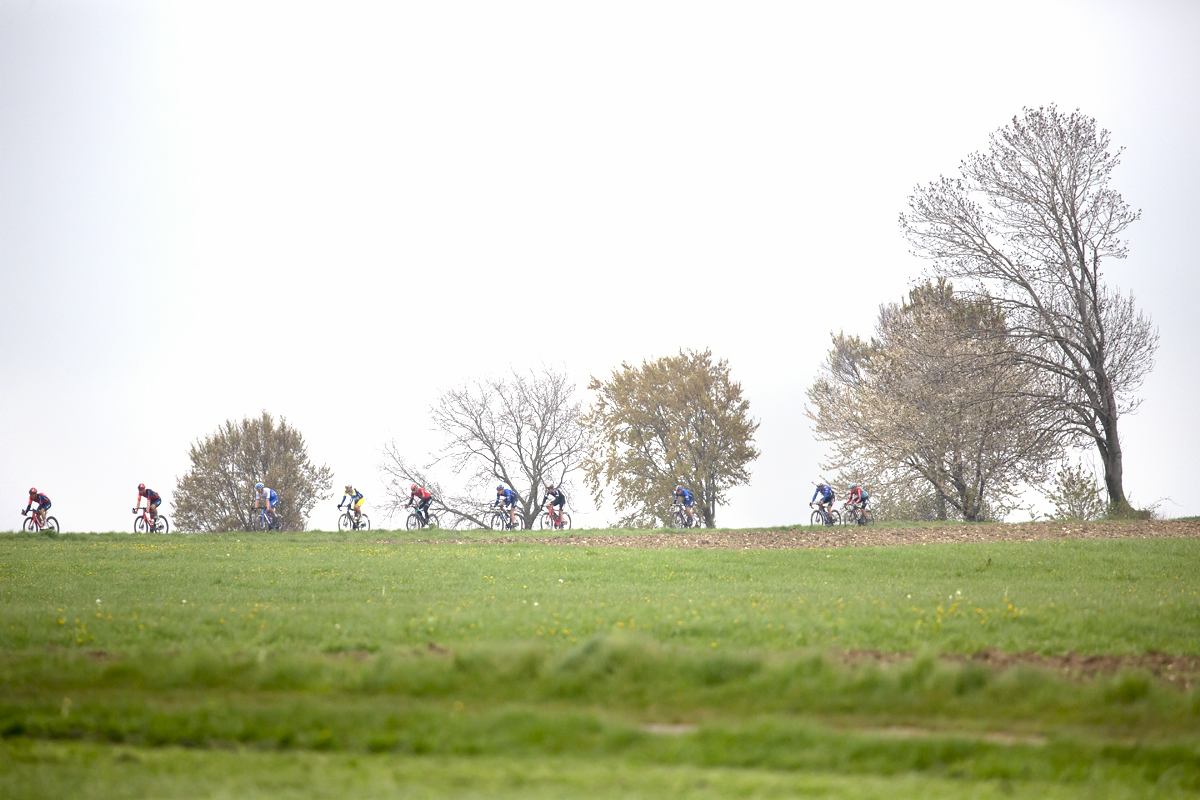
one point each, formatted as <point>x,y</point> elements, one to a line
<point>522,431</point>
<point>217,492</point>
<point>929,416</point>
<point>1030,225</point>
<point>677,420</point>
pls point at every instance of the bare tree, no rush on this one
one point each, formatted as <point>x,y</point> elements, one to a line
<point>217,491</point>
<point>520,431</point>
<point>677,420</point>
<point>932,421</point>
<point>454,510</point>
<point>1029,225</point>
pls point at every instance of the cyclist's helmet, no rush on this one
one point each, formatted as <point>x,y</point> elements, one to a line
<point>141,487</point>
<point>258,486</point>
<point>33,491</point>
<point>500,487</point>
<point>678,490</point>
<point>348,487</point>
<point>412,488</point>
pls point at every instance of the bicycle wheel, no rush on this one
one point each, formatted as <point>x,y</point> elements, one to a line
<point>499,521</point>
<point>345,523</point>
<point>364,523</point>
<point>162,524</point>
<point>817,518</point>
<point>678,519</point>
<point>544,521</point>
<point>434,522</point>
<point>52,524</point>
<point>29,525</point>
<point>566,521</point>
<point>413,522</point>
<point>140,526</point>
<point>835,518</point>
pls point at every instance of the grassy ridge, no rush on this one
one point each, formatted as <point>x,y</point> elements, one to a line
<point>304,650</point>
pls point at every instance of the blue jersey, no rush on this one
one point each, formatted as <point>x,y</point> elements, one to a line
<point>825,492</point>
<point>687,497</point>
<point>508,497</point>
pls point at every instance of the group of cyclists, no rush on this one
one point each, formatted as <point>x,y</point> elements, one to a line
<point>263,496</point>
<point>421,498</point>
<point>824,496</point>
<point>507,499</point>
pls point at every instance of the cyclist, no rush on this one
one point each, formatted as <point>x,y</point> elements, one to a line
<point>507,498</point>
<point>858,501</point>
<point>423,498</point>
<point>560,500</point>
<point>269,500</point>
<point>825,492</point>
<point>356,501</point>
<point>43,504</point>
<point>153,501</point>
<point>858,496</point>
<point>688,499</point>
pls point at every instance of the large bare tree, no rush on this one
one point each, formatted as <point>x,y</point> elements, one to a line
<point>934,422</point>
<point>519,430</point>
<point>1030,225</point>
<point>677,420</point>
<point>217,491</point>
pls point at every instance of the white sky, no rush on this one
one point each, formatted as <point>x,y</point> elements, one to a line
<point>333,211</point>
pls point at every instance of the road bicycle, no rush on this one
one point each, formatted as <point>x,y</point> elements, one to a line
<point>350,521</point>
<point>261,520</point>
<point>32,524</point>
<point>855,515</point>
<point>822,517</point>
<point>556,520</point>
<point>500,522</point>
<point>680,519</point>
<point>417,520</point>
<point>147,524</point>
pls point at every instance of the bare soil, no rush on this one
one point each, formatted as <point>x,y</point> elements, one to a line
<point>1182,671</point>
<point>870,536</point>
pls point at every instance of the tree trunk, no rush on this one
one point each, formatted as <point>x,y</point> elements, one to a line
<point>1114,471</point>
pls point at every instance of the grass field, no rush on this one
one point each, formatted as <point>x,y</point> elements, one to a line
<point>327,665</point>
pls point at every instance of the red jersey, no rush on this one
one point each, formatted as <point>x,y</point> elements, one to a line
<point>421,492</point>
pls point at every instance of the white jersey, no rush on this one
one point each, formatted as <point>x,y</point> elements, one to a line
<point>264,494</point>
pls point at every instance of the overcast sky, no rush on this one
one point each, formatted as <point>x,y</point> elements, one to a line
<point>332,211</point>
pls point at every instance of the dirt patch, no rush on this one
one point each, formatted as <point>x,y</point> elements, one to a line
<point>905,732</point>
<point>670,729</point>
<point>869,536</point>
<point>1182,671</point>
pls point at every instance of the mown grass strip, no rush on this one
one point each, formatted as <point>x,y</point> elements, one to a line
<point>83,771</point>
<point>639,679</point>
<point>768,743</point>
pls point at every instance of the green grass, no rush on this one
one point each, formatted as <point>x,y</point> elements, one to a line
<point>307,592</point>
<point>529,669</point>
<point>84,771</point>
